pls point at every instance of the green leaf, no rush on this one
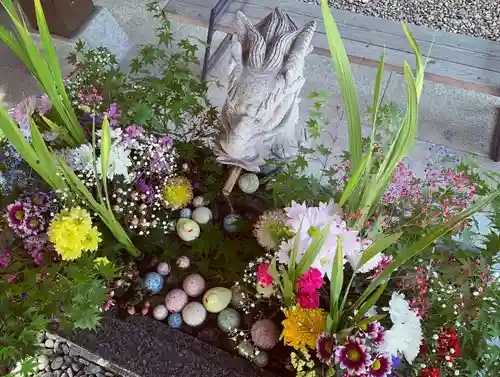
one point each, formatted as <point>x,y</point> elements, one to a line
<point>378,246</point>
<point>374,318</point>
<point>312,251</point>
<point>355,179</point>
<point>336,281</point>
<point>346,84</point>
<point>372,300</point>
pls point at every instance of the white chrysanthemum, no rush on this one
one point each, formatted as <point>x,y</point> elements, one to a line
<point>405,335</point>
<point>307,222</point>
<point>81,158</point>
<point>118,162</point>
<point>268,228</point>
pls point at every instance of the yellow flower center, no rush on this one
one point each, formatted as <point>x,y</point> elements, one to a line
<point>353,355</point>
<point>323,261</point>
<point>364,327</point>
<point>376,365</point>
<point>19,215</point>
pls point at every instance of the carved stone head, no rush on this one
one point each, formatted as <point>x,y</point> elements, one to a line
<point>260,114</point>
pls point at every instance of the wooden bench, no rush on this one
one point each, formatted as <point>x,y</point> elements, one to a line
<point>455,60</point>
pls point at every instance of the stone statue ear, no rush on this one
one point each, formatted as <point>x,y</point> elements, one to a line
<point>252,42</point>
<point>299,49</point>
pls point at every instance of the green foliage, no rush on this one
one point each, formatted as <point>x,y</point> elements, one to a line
<point>44,65</point>
<point>71,294</point>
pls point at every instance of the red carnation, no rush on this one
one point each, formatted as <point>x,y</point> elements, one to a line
<point>448,340</point>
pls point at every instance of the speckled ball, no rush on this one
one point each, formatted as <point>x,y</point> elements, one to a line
<point>245,348</point>
<point>248,183</point>
<point>163,268</point>
<point>175,320</point>
<point>230,222</point>
<point>202,215</point>
<point>152,282</point>
<point>183,262</point>
<point>193,285</point>
<point>185,213</point>
<point>200,201</point>
<point>160,312</point>
<point>175,300</point>
<point>265,334</point>
<point>228,319</point>
<point>194,314</point>
<point>261,359</point>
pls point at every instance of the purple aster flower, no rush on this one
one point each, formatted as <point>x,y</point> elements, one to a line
<point>353,356</point>
<point>396,362</point>
<point>166,140</point>
<point>38,259</point>
<point>133,131</point>
<point>40,200</point>
<point>146,189</point>
<point>113,114</point>
<point>381,367</point>
<point>325,348</point>
<point>16,212</point>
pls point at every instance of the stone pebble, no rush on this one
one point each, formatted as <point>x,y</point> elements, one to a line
<point>57,363</point>
<point>478,18</point>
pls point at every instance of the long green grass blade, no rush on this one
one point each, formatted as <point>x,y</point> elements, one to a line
<point>355,179</point>
<point>372,300</point>
<point>376,94</point>
<point>346,84</point>
<point>336,281</point>
<point>378,246</point>
<point>105,149</point>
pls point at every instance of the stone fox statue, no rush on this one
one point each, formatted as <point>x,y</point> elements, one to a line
<point>260,116</point>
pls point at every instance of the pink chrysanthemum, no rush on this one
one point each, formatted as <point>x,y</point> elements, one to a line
<point>4,257</point>
<point>381,367</point>
<point>263,276</point>
<point>308,300</point>
<point>15,215</point>
<point>375,331</point>
<point>353,356</point>
<point>326,345</point>
<point>310,281</point>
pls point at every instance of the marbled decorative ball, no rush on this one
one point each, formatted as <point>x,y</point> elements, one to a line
<point>261,359</point>
<point>217,299</point>
<point>248,183</point>
<point>160,312</point>
<point>265,334</point>
<point>175,300</point>
<point>185,213</point>
<point>183,262</point>
<point>230,222</point>
<point>152,282</point>
<point>202,215</point>
<point>228,319</point>
<point>175,320</point>
<point>245,348</point>
<point>187,229</point>
<point>193,285</point>
<point>163,268</point>
<point>200,201</point>
<point>194,314</point>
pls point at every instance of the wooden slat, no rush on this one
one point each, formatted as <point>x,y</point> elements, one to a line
<point>471,64</point>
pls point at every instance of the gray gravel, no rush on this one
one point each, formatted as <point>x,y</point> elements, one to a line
<point>56,360</point>
<point>479,18</point>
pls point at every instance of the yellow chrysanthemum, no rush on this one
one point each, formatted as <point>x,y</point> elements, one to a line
<point>177,192</point>
<point>71,232</point>
<point>302,327</point>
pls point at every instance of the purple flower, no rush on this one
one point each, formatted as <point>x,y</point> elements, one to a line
<point>353,356</point>
<point>375,332</point>
<point>32,224</point>
<point>38,259</point>
<point>133,131</point>
<point>325,348</point>
<point>4,257</point>
<point>381,367</point>
<point>16,212</point>
<point>166,140</point>
<point>113,114</point>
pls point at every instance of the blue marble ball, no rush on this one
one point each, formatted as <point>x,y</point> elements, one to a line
<point>230,222</point>
<point>175,320</point>
<point>186,213</point>
<point>152,282</point>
